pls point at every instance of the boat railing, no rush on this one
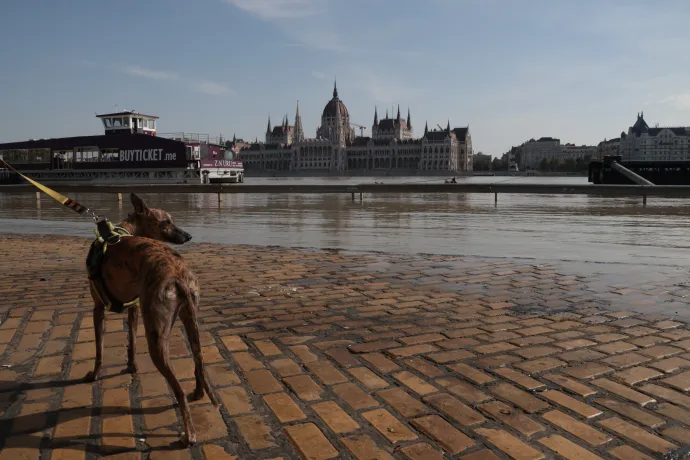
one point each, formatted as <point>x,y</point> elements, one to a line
<point>192,137</point>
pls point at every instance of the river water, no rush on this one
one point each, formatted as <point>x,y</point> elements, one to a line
<point>542,227</point>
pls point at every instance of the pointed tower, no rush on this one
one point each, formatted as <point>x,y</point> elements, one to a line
<point>335,89</point>
<point>234,138</point>
<point>409,120</point>
<point>398,112</point>
<point>386,114</point>
<point>338,135</point>
<point>298,134</point>
<point>426,128</point>
<point>268,129</point>
<point>448,127</point>
<point>376,116</point>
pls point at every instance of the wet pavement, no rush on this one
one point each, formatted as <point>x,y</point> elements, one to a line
<point>334,354</point>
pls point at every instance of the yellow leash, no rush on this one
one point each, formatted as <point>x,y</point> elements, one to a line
<point>63,200</point>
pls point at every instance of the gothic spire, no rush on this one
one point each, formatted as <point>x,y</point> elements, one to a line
<point>376,116</point>
<point>386,114</point>
<point>335,88</point>
<point>426,128</point>
<point>268,129</point>
<point>298,133</point>
<point>448,127</point>
<point>409,121</point>
<point>398,118</point>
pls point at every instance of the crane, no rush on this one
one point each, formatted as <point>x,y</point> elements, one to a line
<point>361,129</point>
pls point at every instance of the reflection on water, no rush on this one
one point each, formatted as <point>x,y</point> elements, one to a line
<point>544,227</point>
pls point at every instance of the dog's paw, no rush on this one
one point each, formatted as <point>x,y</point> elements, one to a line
<point>196,396</point>
<point>186,440</point>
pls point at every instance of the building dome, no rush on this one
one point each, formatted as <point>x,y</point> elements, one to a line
<point>331,109</point>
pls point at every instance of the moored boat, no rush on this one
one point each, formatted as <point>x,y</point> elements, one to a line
<point>129,151</point>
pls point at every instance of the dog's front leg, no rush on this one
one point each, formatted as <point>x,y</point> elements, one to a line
<point>132,321</point>
<point>99,327</point>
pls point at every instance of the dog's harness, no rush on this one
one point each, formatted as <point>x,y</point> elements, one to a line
<point>106,235</point>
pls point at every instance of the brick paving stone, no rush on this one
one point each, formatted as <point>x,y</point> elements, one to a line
<point>364,448</point>
<point>567,449</point>
<point>368,378</point>
<point>637,435</point>
<point>402,402</point>
<point>520,398</point>
<point>421,451</point>
<point>389,426</point>
<point>263,382</point>
<point>512,417</point>
<point>571,385</point>
<point>454,409</point>
<point>631,412</point>
<point>354,396</point>
<point>471,374</point>
<point>300,326</point>
<point>335,417</point>
<point>674,412</point>
<point>636,375</point>
<point>623,391</point>
<point>577,428</point>
<point>571,403</point>
<point>628,453</point>
<point>414,383</point>
<point>680,381</point>
<point>521,379</point>
<point>255,432</point>
<point>310,442</point>
<point>304,387</point>
<point>464,390</point>
<point>451,439</point>
<point>284,407</point>
<point>509,444</point>
<point>381,363</point>
<point>235,400</point>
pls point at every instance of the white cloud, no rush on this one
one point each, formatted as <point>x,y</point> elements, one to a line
<point>275,10</point>
<point>201,86</point>
<point>679,101</point>
<point>212,88</point>
<point>152,74</point>
<point>384,89</point>
<point>319,75</point>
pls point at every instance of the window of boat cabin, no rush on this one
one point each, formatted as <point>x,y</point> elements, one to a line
<point>110,155</point>
<point>107,122</point>
<point>26,156</point>
<point>86,154</point>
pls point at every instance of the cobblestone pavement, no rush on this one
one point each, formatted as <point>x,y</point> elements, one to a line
<point>337,355</point>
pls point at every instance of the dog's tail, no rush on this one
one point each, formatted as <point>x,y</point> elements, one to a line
<point>188,317</point>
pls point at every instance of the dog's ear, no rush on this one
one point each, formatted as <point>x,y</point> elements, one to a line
<point>138,203</point>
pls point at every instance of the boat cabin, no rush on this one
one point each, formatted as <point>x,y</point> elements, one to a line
<point>128,122</point>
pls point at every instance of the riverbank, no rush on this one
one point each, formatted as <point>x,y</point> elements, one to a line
<point>318,352</point>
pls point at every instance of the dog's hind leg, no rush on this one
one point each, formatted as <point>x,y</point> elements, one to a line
<point>99,328</point>
<point>158,320</point>
<point>132,321</point>
<point>188,317</point>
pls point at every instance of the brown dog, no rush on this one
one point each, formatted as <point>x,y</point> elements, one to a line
<point>144,267</point>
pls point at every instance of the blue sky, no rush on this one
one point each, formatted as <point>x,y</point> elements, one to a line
<point>579,70</point>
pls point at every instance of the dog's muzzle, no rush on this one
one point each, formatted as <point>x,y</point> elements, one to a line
<point>180,236</point>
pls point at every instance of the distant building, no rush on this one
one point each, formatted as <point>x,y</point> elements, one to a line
<point>533,152</point>
<point>609,147</point>
<point>643,143</point>
<point>392,146</point>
